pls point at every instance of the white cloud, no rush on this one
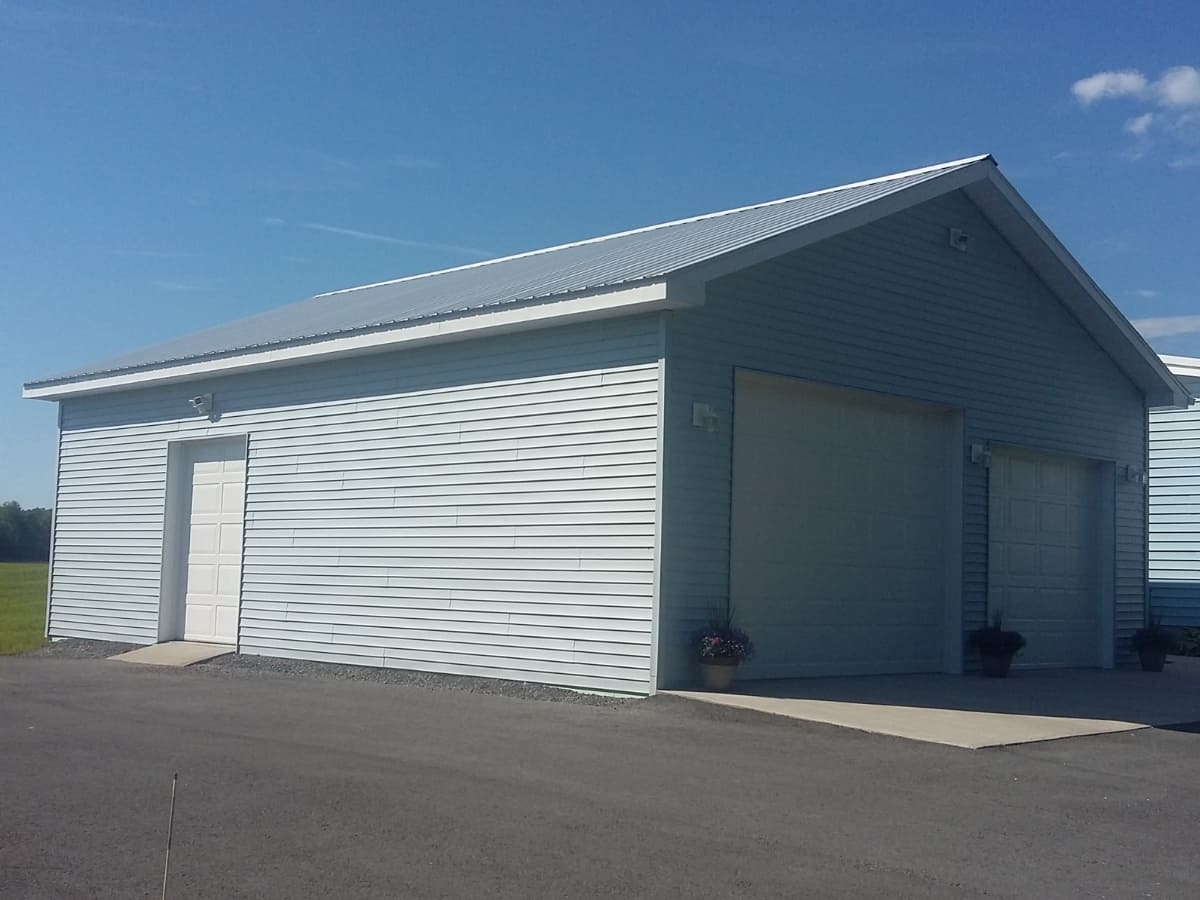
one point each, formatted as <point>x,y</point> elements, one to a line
<point>400,242</point>
<point>1176,93</point>
<point>1146,294</point>
<point>1139,125</point>
<point>272,220</point>
<point>1178,86</point>
<point>1167,326</point>
<point>1102,85</point>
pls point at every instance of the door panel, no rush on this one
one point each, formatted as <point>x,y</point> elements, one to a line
<point>217,473</point>
<point>838,529</point>
<point>1043,554</point>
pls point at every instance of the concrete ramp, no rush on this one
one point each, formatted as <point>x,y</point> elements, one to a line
<point>974,712</point>
<point>956,727</point>
<point>174,653</point>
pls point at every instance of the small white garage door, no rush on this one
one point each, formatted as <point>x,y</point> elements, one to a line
<point>213,518</point>
<point>839,521</point>
<point>1043,559</point>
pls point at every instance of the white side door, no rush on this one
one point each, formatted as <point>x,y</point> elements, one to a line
<point>213,573</point>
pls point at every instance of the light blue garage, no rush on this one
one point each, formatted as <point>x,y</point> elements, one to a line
<point>865,416</point>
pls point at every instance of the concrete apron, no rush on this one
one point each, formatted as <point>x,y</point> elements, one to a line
<point>974,712</point>
<point>174,653</point>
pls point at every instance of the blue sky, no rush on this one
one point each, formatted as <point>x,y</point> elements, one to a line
<point>164,167</point>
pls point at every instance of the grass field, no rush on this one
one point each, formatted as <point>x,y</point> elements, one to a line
<point>22,606</point>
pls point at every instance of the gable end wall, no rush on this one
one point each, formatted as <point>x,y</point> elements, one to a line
<point>890,307</point>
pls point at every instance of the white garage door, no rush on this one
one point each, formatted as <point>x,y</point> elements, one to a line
<point>1043,555</point>
<point>840,500</point>
<point>213,519</point>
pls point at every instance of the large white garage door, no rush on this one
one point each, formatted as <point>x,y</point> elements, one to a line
<point>1043,569</point>
<point>840,501</point>
<point>214,541</point>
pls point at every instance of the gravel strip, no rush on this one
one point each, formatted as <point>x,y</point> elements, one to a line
<point>239,665</point>
<point>76,648</point>
<point>242,665</point>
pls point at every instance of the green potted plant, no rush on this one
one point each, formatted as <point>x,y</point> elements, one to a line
<point>721,646</point>
<point>996,646</point>
<point>1152,644</point>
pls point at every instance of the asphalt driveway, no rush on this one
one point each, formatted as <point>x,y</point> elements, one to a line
<point>294,786</point>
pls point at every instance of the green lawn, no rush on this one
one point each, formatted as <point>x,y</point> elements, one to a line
<point>22,606</point>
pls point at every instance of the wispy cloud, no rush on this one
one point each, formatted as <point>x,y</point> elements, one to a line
<point>296,259</point>
<point>1175,119</point>
<point>396,241</point>
<point>1185,162</point>
<point>1167,326</point>
<point>181,285</point>
<point>1146,293</point>
<point>1113,245</point>
<point>1139,125</point>
<point>272,220</point>
<point>310,171</point>
<point>154,254</point>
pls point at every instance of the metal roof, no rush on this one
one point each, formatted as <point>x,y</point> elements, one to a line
<point>604,262</point>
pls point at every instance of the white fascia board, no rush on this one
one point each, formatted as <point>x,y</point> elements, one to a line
<point>1187,366</point>
<point>976,169</point>
<point>1166,390</point>
<point>646,297</point>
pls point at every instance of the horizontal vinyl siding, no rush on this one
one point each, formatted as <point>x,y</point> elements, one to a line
<point>484,508</point>
<point>1175,513</point>
<point>891,308</point>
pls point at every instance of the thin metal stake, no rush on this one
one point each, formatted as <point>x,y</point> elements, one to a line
<point>170,831</point>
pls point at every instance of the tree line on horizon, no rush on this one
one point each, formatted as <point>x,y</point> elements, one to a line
<point>24,533</point>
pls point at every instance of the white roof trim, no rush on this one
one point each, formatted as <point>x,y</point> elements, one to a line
<point>625,301</point>
<point>1187,366</point>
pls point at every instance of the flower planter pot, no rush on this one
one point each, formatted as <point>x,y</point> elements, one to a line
<point>718,672</point>
<point>1152,660</point>
<point>996,666</point>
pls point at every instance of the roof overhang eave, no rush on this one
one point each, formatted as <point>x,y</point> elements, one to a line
<point>629,299</point>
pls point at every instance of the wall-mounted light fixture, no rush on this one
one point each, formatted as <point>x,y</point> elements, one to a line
<point>704,416</point>
<point>959,239</point>
<point>203,404</point>
<point>981,455</point>
<point>1134,476</point>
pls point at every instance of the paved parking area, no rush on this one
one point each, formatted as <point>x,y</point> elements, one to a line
<point>293,786</point>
